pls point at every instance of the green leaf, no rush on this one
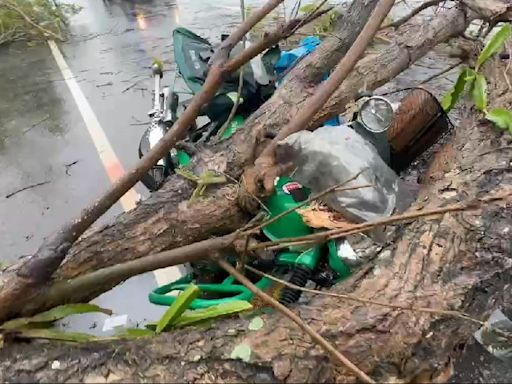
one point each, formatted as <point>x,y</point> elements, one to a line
<point>242,352</point>
<point>224,309</point>
<point>479,92</point>
<point>466,76</point>
<point>51,334</point>
<point>201,315</point>
<point>256,323</point>
<point>501,117</point>
<point>494,45</point>
<point>177,308</point>
<point>53,315</point>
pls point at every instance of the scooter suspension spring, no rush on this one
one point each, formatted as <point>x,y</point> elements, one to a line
<point>299,277</point>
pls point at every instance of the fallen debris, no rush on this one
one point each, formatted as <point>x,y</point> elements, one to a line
<point>9,195</point>
<point>69,165</point>
<point>36,124</point>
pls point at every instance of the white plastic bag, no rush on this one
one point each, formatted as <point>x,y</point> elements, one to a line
<point>333,154</point>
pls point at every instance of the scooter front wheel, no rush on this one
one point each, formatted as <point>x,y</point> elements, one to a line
<point>154,179</point>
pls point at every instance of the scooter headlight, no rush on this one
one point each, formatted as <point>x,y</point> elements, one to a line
<point>376,114</point>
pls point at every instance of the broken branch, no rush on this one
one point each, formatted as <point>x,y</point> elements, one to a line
<point>65,290</point>
<point>359,228</point>
<point>434,311</point>
<point>27,187</point>
<point>315,336</point>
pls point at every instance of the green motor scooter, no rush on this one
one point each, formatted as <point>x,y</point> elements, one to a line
<point>320,264</point>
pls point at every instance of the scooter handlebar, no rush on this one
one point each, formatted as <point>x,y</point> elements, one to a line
<point>156,70</point>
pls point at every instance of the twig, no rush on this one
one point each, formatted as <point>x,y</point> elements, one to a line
<point>258,200</point>
<point>25,188</point>
<point>131,86</point>
<point>36,124</point>
<point>312,13</point>
<point>107,84</point>
<point>270,39</point>
<point>358,228</point>
<point>499,149</point>
<point>406,18</point>
<point>314,197</point>
<point>235,105</point>
<point>315,336</point>
<point>295,9</point>
<point>240,83</point>
<point>367,301</point>
<point>62,290</point>
<point>69,165</point>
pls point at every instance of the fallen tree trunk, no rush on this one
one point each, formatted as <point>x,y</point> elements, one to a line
<point>167,220</point>
<point>455,262</point>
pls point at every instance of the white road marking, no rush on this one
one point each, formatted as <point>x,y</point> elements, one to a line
<point>108,157</point>
<point>110,161</point>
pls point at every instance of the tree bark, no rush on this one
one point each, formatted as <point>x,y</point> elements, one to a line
<point>454,262</point>
<point>168,220</point>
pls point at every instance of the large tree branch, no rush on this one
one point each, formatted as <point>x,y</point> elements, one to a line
<point>456,262</point>
<point>166,220</point>
<point>264,170</point>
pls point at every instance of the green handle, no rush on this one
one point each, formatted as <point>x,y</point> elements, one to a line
<point>235,292</point>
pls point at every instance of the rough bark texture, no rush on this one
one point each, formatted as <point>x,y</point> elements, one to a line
<point>458,261</point>
<point>167,220</point>
<point>155,226</point>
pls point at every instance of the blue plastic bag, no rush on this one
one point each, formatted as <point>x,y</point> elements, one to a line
<point>289,58</point>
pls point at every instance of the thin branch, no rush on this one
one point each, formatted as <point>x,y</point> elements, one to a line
<point>60,291</point>
<point>367,301</point>
<point>406,18</point>
<point>499,149</point>
<point>315,336</point>
<point>235,105</point>
<point>9,195</point>
<point>240,83</point>
<point>270,39</point>
<point>312,13</point>
<point>334,188</point>
<point>363,227</point>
